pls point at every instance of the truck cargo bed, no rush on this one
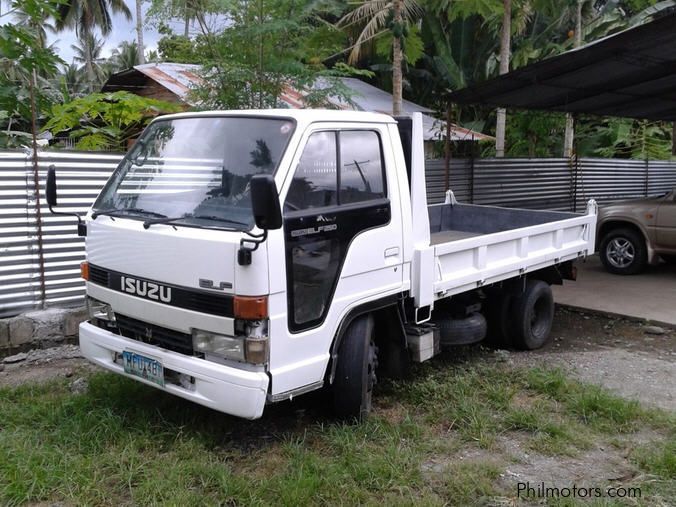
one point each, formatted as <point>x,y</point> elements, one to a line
<point>461,221</point>
<point>472,246</point>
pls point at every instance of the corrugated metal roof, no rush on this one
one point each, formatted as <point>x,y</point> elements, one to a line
<point>180,78</point>
<point>629,74</point>
<point>370,98</point>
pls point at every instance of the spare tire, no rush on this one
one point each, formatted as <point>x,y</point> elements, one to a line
<point>465,331</point>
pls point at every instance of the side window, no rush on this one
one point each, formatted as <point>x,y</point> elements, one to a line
<point>319,181</point>
<point>361,167</point>
<point>314,183</point>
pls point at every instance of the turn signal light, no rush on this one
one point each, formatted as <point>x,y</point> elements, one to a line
<point>251,307</point>
<point>84,270</point>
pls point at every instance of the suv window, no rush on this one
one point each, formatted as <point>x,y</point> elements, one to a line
<point>317,181</point>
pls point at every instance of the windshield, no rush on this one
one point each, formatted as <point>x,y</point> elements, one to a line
<point>197,170</point>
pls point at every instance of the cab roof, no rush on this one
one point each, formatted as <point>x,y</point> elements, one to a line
<point>305,116</point>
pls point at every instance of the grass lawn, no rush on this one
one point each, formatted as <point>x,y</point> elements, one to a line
<point>441,437</point>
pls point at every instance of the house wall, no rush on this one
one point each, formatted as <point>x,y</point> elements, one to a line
<point>154,90</point>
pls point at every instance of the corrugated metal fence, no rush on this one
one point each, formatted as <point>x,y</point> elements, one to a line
<point>554,184</point>
<point>80,178</point>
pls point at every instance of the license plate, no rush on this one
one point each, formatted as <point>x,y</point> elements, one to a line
<point>143,367</point>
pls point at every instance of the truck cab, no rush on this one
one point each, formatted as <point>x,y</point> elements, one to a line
<point>242,258</point>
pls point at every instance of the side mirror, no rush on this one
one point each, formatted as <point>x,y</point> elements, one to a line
<point>51,186</point>
<point>265,202</point>
<point>50,192</point>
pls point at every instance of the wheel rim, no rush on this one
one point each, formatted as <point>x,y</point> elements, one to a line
<point>620,252</point>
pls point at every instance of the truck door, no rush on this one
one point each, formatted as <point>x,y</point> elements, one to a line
<point>342,237</point>
<point>666,223</point>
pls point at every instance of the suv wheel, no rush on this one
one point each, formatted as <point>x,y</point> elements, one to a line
<point>623,252</point>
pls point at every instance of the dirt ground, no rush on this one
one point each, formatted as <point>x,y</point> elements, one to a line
<point>615,353</point>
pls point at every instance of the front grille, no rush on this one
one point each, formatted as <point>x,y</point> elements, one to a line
<point>154,335</point>
<point>181,297</point>
<point>98,275</point>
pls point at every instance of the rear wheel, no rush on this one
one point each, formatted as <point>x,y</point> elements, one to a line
<point>356,371</point>
<point>623,252</point>
<point>533,315</point>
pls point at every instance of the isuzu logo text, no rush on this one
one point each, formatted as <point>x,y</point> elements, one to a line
<point>145,289</point>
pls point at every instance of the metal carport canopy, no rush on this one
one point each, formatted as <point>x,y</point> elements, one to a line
<point>630,74</point>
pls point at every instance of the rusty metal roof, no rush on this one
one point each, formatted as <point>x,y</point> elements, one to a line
<point>180,78</point>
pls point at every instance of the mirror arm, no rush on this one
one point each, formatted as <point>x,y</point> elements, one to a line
<point>244,252</point>
<point>81,226</point>
<point>251,234</point>
<point>66,214</point>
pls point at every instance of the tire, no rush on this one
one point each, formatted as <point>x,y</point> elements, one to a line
<point>471,329</point>
<point>499,315</point>
<point>669,259</point>
<point>623,252</point>
<point>356,371</point>
<point>533,316</point>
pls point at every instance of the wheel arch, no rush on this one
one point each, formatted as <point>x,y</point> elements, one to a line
<point>388,321</point>
<point>620,223</point>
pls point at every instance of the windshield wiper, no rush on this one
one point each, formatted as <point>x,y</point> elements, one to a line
<point>167,220</point>
<point>114,212</point>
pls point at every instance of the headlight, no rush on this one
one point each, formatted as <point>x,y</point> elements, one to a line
<point>99,310</point>
<point>225,346</point>
<point>245,349</point>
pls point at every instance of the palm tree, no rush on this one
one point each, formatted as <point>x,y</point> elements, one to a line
<point>139,32</point>
<point>125,56</point>
<point>373,16</point>
<point>505,48</point>
<point>153,56</point>
<point>85,15</point>
<point>72,82</point>
<point>88,52</point>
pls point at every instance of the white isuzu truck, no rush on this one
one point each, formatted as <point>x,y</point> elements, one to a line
<point>242,258</point>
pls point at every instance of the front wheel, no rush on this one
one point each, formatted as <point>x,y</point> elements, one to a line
<point>356,371</point>
<point>623,252</point>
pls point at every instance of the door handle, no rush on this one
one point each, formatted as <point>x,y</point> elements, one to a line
<point>392,252</point>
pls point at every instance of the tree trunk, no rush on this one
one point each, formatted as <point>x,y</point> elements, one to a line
<point>139,32</point>
<point>186,28</point>
<point>397,59</point>
<point>569,135</point>
<point>505,47</point>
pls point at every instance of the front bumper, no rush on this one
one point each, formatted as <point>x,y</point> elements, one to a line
<point>223,388</point>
